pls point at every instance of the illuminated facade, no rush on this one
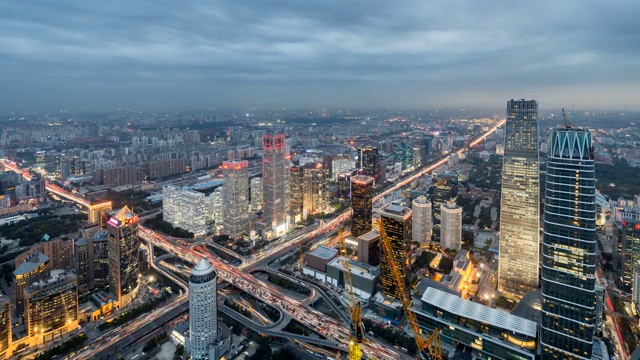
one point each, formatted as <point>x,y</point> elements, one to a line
<point>51,306</point>
<point>203,323</point>
<point>569,247</point>
<point>236,198</point>
<point>421,226</point>
<point>361,204</point>
<point>33,268</point>
<point>396,222</point>
<point>629,248</point>
<point>451,227</point>
<point>124,264</point>
<point>520,208</point>
<point>315,196</point>
<point>5,326</point>
<point>445,188</point>
<point>97,212</point>
<point>256,194</point>
<point>275,166</point>
<point>187,209</point>
<point>296,193</point>
<point>368,161</point>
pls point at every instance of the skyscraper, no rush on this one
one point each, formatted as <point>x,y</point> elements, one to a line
<point>421,226</point>
<point>256,193</point>
<point>445,188</point>
<point>569,247</point>
<point>296,193</point>
<point>396,223</point>
<point>315,188</point>
<point>629,245</point>
<point>275,166</point>
<point>451,227</point>
<point>203,321</point>
<point>520,208</point>
<point>187,209</point>
<point>361,204</point>
<point>368,161</point>
<point>97,211</point>
<point>123,245</point>
<point>236,198</point>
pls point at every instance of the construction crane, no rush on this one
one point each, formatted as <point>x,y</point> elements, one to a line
<point>430,345</point>
<point>356,336</point>
<point>564,117</point>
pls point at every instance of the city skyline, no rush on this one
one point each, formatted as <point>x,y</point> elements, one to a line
<point>316,54</point>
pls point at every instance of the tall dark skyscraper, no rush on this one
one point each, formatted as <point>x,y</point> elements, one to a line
<point>361,204</point>
<point>520,208</point>
<point>396,221</point>
<point>124,265</point>
<point>445,189</point>
<point>368,161</point>
<point>569,247</point>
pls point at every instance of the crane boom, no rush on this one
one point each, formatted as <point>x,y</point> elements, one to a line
<point>356,336</point>
<point>564,117</point>
<point>433,343</point>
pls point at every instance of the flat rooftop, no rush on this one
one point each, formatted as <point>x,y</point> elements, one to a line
<point>370,236</point>
<point>357,268</point>
<point>324,252</point>
<point>478,312</point>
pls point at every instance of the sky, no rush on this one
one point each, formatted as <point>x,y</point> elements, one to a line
<point>185,55</point>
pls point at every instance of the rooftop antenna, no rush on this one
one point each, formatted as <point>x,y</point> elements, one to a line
<point>564,117</point>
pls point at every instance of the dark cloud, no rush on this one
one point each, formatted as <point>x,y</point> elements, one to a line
<point>165,54</point>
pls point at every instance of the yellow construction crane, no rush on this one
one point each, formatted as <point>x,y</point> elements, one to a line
<point>432,345</point>
<point>356,336</point>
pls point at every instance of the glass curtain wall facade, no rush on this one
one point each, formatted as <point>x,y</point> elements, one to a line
<point>396,221</point>
<point>236,198</point>
<point>520,208</point>
<point>569,247</point>
<point>361,204</point>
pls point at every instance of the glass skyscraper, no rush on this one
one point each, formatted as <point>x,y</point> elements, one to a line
<point>569,247</point>
<point>520,208</point>
<point>124,264</point>
<point>361,204</point>
<point>396,223</point>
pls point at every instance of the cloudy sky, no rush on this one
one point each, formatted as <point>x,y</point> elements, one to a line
<point>180,55</point>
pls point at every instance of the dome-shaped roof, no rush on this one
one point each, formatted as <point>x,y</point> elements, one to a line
<point>202,268</point>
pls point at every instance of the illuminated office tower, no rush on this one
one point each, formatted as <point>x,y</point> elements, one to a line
<point>236,198</point>
<point>275,166</point>
<point>97,212</point>
<point>396,222</point>
<point>361,204</point>
<point>51,306</point>
<point>421,226</point>
<point>635,285</point>
<point>314,188</point>
<point>123,245</point>
<point>445,188</point>
<point>203,322</point>
<point>520,208</point>
<point>628,229</point>
<point>35,267</point>
<point>5,326</point>
<point>569,247</point>
<point>255,185</point>
<point>296,193</point>
<point>451,227</point>
<point>368,161</point>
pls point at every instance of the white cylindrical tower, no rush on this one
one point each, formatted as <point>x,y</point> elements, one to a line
<point>203,320</point>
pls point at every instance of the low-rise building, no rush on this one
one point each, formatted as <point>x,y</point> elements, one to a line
<point>318,259</point>
<point>364,276</point>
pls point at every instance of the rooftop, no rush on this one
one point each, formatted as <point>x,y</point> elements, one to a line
<point>324,252</point>
<point>370,236</point>
<point>478,312</point>
<point>357,268</point>
<point>31,263</point>
<point>202,268</point>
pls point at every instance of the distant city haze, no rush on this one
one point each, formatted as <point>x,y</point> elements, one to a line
<point>148,55</point>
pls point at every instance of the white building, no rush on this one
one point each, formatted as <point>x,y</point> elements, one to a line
<point>235,198</point>
<point>203,322</point>
<point>256,194</point>
<point>341,165</point>
<point>421,227</point>
<point>187,209</point>
<point>451,226</point>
